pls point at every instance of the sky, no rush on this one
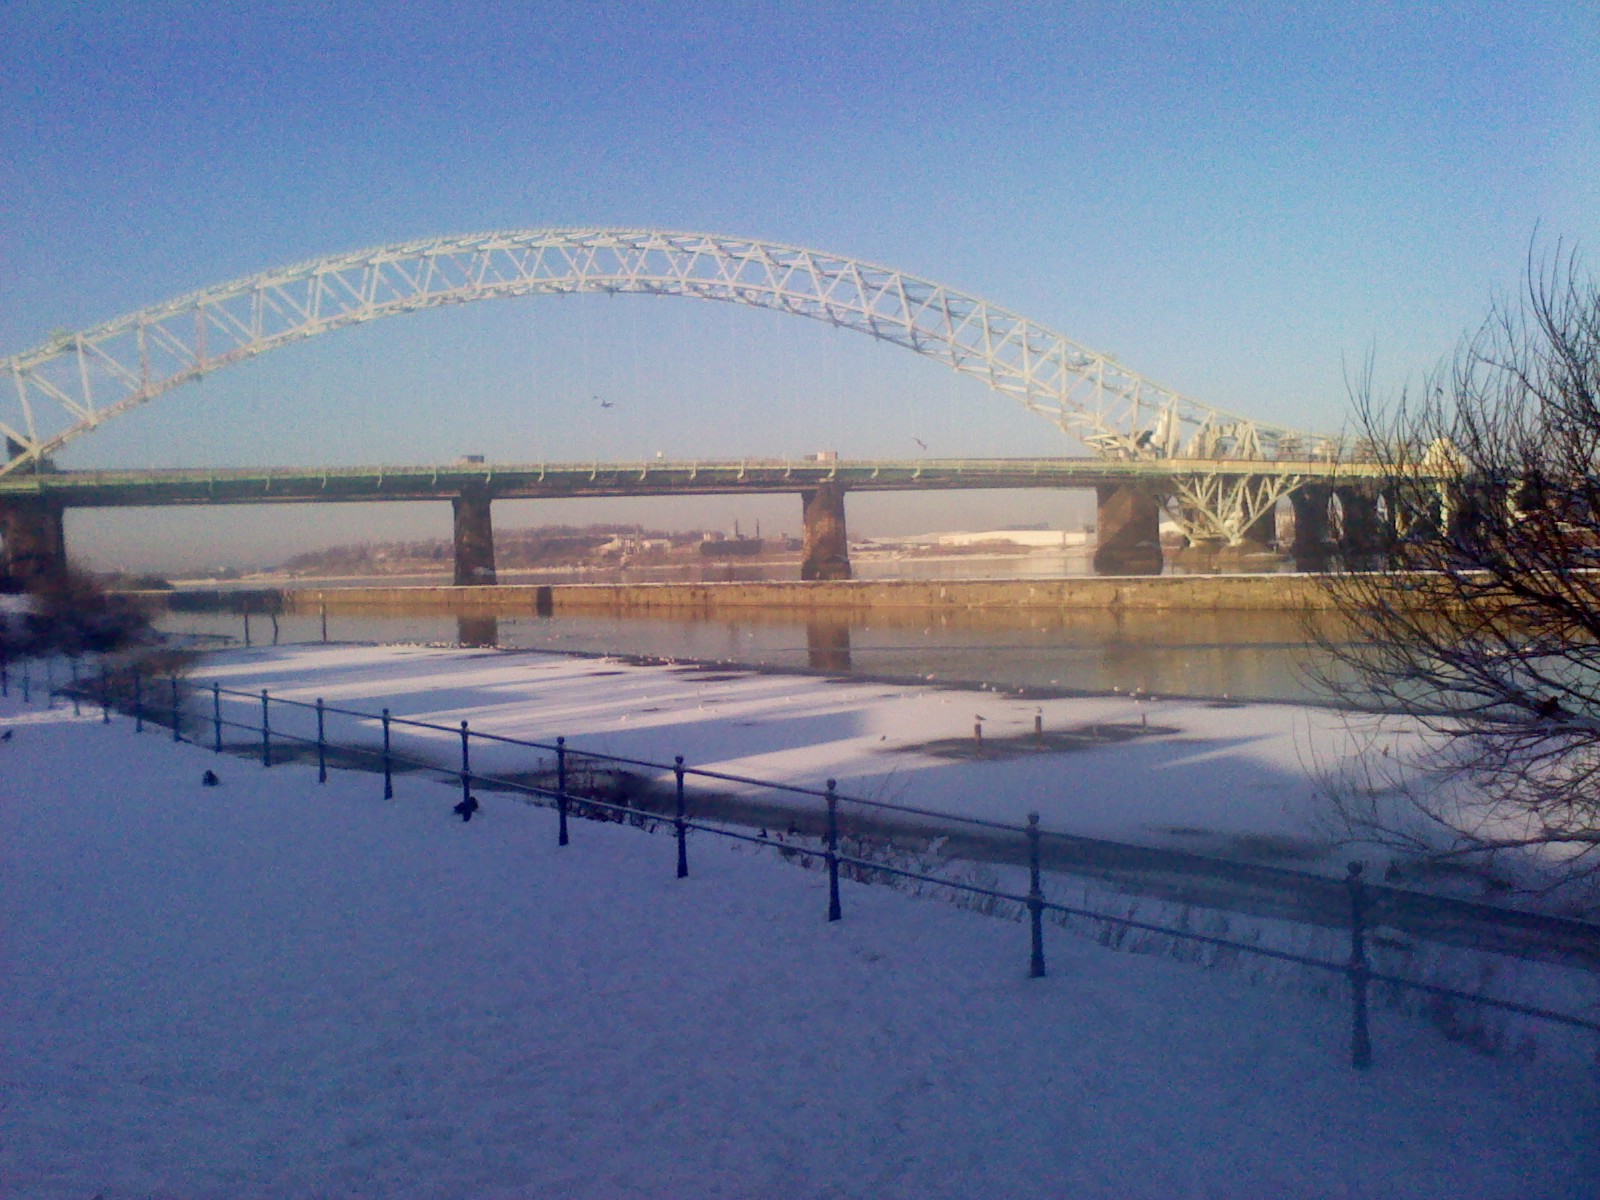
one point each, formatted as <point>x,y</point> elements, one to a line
<point>1241,201</point>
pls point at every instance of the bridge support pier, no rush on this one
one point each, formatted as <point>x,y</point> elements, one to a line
<point>825,553</point>
<point>1309,547</point>
<point>1128,530</point>
<point>474,537</point>
<point>1363,534</point>
<point>35,535</point>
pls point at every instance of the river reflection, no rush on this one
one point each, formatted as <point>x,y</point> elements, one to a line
<point>1229,655</point>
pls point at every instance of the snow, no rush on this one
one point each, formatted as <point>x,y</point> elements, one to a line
<point>279,988</point>
<point>1225,770</point>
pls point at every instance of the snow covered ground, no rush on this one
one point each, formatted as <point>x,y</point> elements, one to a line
<point>279,989</point>
<point>1221,772</point>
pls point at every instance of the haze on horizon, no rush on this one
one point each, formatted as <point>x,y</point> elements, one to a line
<point>1241,205</point>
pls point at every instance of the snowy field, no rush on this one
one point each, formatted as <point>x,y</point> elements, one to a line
<point>279,989</point>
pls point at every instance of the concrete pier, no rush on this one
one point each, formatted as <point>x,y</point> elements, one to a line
<point>826,551</point>
<point>35,538</point>
<point>1363,533</point>
<point>474,538</point>
<point>1128,530</point>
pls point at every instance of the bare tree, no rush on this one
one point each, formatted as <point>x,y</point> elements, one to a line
<point>1481,621</point>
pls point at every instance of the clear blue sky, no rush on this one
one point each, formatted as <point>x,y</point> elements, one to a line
<point>1236,199</point>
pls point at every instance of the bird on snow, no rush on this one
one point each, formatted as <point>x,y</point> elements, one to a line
<point>466,808</point>
<point>209,779</point>
<point>6,736</point>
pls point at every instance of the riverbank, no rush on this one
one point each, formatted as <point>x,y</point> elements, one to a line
<point>1161,593</point>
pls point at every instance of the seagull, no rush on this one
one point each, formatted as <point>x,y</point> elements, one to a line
<point>922,444</point>
<point>605,403</point>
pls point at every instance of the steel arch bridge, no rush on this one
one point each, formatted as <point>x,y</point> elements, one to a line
<point>75,382</point>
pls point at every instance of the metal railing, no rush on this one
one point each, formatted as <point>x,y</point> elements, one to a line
<point>569,785</point>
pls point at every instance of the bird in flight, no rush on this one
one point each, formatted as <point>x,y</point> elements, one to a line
<point>605,403</point>
<point>920,443</point>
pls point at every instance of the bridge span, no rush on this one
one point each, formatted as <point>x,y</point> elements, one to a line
<point>1131,496</point>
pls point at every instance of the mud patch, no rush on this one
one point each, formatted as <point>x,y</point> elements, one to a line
<point>1051,741</point>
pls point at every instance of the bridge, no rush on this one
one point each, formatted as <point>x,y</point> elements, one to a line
<point>1155,451</point>
<point>471,487</point>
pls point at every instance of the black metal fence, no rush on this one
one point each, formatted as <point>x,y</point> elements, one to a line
<point>572,782</point>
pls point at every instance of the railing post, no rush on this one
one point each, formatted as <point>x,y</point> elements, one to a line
<point>561,790</point>
<point>177,710</point>
<point>247,623</point>
<point>138,701</point>
<point>50,681</point>
<point>27,683</point>
<point>466,764</point>
<point>324,621</point>
<point>266,732</point>
<point>76,710</point>
<point>1360,972</point>
<point>1035,900</point>
<point>388,769</point>
<point>678,821</point>
<point>834,912</point>
<point>105,695</point>
<point>322,747</point>
<point>216,717</point>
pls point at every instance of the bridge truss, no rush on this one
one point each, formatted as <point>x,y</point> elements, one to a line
<point>76,381</point>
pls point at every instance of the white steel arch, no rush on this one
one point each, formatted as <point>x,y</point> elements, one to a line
<point>76,381</point>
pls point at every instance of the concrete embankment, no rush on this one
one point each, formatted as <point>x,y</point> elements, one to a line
<point>1192,593</point>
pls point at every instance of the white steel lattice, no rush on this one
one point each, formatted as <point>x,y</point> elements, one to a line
<point>74,382</point>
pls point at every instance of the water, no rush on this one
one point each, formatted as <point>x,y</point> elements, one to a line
<point>1237,656</point>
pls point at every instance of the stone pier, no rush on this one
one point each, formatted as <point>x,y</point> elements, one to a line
<point>1364,534</point>
<point>35,539</point>
<point>1128,530</point>
<point>1312,533</point>
<point>474,538</point>
<point>825,554</point>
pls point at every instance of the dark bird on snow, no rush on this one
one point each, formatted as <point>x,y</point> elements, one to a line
<point>6,736</point>
<point>209,779</point>
<point>466,808</point>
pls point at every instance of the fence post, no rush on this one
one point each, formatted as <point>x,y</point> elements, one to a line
<point>177,708</point>
<point>247,623</point>
<point>322,747</point>
<point>678,822</point>
<point>324,621</point>
<point>216,717</point>
<point>561,790</point>
<point>834,912</point>
<point>5,675</point>
<point>1360,1035</point>
<point>50,681</point>
<point>266,732</point>
<point>466,764</point>
<point>76,710</point>
<point>1035,900</point>
<point>138,701</point>
<point>105,695</point>
<point>388,770</point>
<point>27,683</point>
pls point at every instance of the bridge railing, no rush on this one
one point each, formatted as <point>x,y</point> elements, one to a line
<point>849,837</point>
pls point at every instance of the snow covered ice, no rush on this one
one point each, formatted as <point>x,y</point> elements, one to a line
<point>275,988</point>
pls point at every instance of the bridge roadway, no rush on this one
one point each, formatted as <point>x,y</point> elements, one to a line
<point>31,503</point>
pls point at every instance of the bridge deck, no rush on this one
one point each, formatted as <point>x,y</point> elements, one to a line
<point>258,485</point>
